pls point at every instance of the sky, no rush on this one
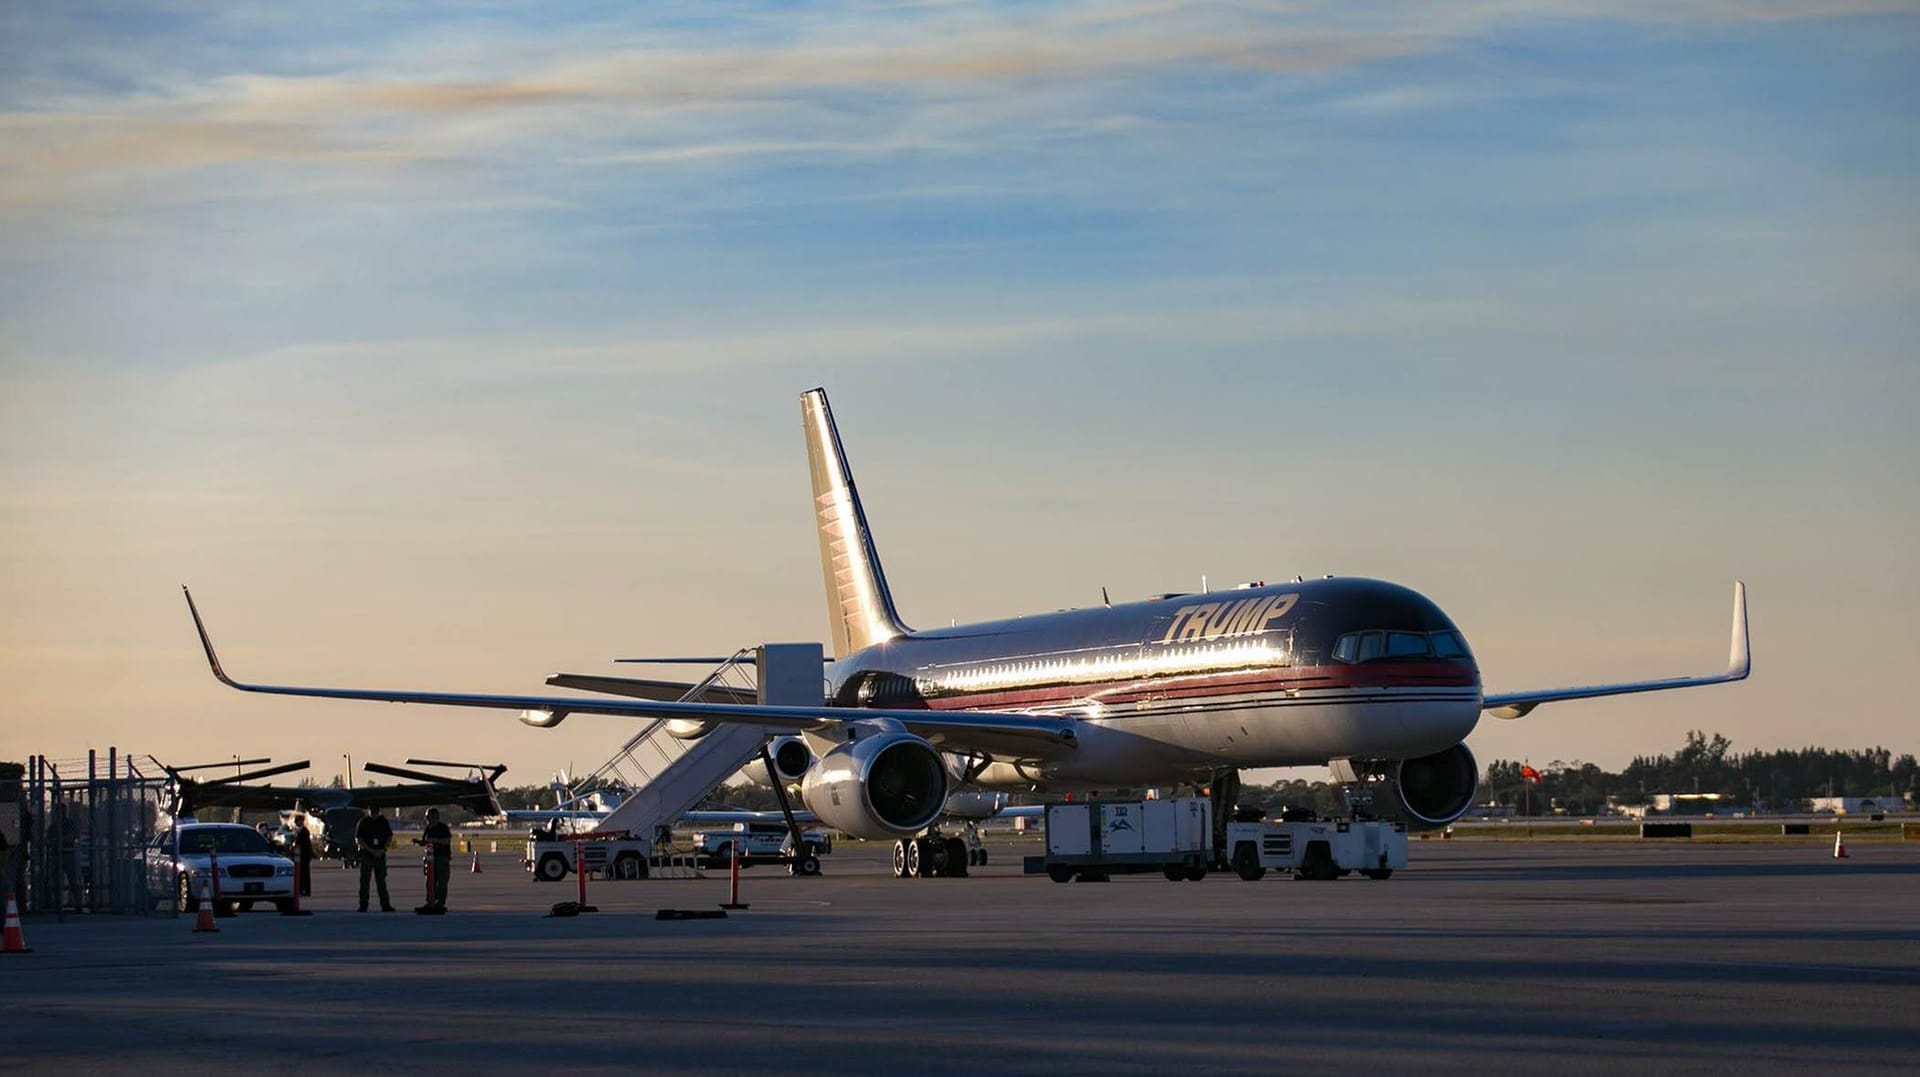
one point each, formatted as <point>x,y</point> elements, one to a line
<point>446,348</point>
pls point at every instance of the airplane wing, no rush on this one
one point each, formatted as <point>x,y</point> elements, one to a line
<point>1018,734</point>
<point>729,816</point>
<point>638,688</point>
<point>1739,664</point>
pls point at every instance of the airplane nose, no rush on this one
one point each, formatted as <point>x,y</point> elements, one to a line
<point>1440,724</point>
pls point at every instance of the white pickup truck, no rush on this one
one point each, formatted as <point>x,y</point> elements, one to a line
<point>759,843</point>
<point>1317,848</point>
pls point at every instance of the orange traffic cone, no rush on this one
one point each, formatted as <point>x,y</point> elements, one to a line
<point>16,943</point>
<point>204,922</point>
<point>1839,846</point>
<point>476,862</point>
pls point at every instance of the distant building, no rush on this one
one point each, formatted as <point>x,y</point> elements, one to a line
<point>1857,805</point>
<point>1684,804</point>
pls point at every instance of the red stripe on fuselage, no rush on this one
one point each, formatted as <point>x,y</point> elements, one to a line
<point>1235,682</point>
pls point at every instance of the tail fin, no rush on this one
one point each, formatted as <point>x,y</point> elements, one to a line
<point>859,606</point>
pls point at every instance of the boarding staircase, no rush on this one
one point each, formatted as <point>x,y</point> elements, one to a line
<point>666,775</point>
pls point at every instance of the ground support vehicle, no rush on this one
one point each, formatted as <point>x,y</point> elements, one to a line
<point>1093,840</point>
<point>761,843</point>
<point>1317,848</point>
<point>179,863</point>
<point>611,856</point>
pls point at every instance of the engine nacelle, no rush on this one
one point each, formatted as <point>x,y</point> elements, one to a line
<point>1436,789</point>
<point>974,805</point>
<point>687,728</point>
<point>791,758</point>
<point>883,785</point>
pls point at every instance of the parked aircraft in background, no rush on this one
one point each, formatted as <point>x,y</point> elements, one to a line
<point>1369,678</point>
<point>333,813</point>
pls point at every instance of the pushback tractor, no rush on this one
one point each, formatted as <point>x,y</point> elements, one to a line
<point>1093,840</point>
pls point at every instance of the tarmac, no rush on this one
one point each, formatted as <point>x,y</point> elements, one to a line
<point>1564,957</point>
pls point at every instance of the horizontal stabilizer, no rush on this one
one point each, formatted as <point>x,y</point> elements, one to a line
<point>638,688</point>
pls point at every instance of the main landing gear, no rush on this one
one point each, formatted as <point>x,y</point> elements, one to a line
<point>934,855</point>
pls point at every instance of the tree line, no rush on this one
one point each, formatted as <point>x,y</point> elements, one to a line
<point>1780,780</point>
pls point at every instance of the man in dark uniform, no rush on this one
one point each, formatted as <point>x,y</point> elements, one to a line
<point>371,839</point>
<point>439,842</point>
<point>303,855</point>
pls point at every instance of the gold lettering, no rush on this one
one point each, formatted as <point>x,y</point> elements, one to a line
<point>1217,624</point>
<point>1178,616</point>
<point>1196,623</point>
<point>1279,609</point>
<point>1249,616</point>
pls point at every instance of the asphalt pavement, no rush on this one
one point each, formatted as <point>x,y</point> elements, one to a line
<point>1564,958</point>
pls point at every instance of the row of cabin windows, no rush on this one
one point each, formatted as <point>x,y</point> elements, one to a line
<point>1387,646</point>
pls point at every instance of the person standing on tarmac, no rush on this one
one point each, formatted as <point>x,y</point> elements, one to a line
<point>302,856</point>
<point>439,842</point>
<point>372,837</point>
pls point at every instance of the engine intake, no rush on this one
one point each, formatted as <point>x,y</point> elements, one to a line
<point>791,758</point>
<point>1434,790</point>
<point>883,785</point>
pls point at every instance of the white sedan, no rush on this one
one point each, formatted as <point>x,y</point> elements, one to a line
<point>250,870</point>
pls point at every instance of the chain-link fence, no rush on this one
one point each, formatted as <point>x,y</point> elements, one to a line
<point>80,831</point>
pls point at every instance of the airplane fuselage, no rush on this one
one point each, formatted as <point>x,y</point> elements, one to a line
<point>1291,674</point>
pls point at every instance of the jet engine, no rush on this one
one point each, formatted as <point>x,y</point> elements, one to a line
<point>883,785</point>
<point>791,758</point>
<point>1434,790</point>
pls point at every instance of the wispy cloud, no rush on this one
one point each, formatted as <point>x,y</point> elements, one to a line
<point>624,97</point>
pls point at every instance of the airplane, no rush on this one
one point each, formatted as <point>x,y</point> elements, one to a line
<point>1366,677</point>
<point>573,812</point>
<point>332,813</point>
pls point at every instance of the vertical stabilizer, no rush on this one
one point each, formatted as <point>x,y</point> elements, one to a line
<point>859,606</point>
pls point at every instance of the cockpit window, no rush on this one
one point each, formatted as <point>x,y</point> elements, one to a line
<point>1406,645</point>
<point>1445,646</point>
<point>1345,646</point>
<point>1370,646</point>
<point>1450,646</point>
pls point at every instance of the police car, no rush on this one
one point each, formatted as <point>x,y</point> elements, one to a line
<point>250,870</point>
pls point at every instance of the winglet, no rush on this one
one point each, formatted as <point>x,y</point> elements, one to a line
<point>213,659</point>
<point>1739,666</point>
<point>1740,654</point>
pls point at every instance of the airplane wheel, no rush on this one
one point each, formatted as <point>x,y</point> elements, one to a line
<point>957,859</point>
<point>808,865</point>
<point>916,859</point>
<point>900,859</point>
<point>933,858</point>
